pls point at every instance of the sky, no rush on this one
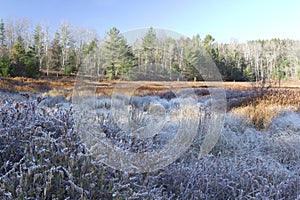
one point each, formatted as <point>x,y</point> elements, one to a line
<point>225,20</point>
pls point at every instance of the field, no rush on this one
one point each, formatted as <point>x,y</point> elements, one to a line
<point>44,156</point>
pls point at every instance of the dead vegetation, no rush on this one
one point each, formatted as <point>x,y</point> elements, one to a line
<point>256,108</point>
<point>262,109</point>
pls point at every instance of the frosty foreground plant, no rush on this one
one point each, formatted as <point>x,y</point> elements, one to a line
<point>42,157</point>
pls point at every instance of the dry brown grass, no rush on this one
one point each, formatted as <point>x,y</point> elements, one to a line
<point>22,84</point>
<point>67,94</point>
<point>67,82</point>
<point>259,110</point>
<point>263,108</point>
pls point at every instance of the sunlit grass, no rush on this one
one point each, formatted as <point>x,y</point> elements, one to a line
<point>262,109</point>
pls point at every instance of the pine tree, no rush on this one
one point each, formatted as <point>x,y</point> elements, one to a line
<point>118,56</point>
<point>5,66</point>
<point>149,46</point>
<point>2,34</point>
<point>17,57</point>
<point>3,50</point>
<point>90,47</point>
<point>24,62</point>
<point>190,62</point>
<point>31,62</point>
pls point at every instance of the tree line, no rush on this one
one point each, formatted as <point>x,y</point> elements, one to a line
<point>35,51</point>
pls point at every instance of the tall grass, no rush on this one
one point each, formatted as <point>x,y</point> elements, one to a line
<point>262,109</point>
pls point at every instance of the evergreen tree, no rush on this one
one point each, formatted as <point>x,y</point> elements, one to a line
<point>118,56</point>
<point>17,58</point>
<point>32,69</point>
<point>208,43</point>
<point>71,63</point>
<point>94,59</point>
<point>2,37</point>
<point>190,62</point>
<point>280,74</point>
<point>24,62</point>
<point>90,47</point>
<point>5,66</point>
<point>4,55</point>
<point>248,74</point>
<point>149,46</point>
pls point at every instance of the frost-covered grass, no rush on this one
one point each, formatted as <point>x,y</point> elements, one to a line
<point>42,157</point>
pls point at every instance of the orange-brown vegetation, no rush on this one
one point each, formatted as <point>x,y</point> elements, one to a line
<point>257,109</point>
<point>22,84</point>
<point>261,109</point>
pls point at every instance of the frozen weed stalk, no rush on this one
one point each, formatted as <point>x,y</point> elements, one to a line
<point>143,134</point>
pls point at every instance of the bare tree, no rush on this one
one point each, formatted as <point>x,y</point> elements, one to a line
<point>39,45</point>
<point>47,41</point>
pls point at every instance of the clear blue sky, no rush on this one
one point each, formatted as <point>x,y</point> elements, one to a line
<point>223,19</point>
